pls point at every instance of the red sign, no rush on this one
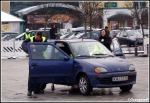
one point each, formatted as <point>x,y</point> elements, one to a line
<point>113,25</point>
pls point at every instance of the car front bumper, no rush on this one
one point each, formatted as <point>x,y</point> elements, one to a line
<point>105,80</point>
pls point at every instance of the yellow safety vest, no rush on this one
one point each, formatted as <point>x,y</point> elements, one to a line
<point>43,39</point>
<point>101,50</point>
<point>27,36</point>
<point>71,56</point>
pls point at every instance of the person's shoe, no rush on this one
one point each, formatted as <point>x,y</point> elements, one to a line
<point>27,56</point>
<point>29,93</point>
<point>39,92</point>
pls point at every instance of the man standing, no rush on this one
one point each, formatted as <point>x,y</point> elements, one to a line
<point>37,38</point>
<point>27,34</point>
<point>53,32</point>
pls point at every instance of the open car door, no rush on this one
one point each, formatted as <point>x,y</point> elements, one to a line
<point>116,48</point>
<point>49,64</point>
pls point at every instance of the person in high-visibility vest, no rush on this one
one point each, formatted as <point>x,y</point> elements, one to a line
<point>37,38</point>
<point>27,34</point>
<point>105,39</point>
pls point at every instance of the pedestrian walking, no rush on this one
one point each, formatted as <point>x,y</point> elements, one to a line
<point>37,38</point>
<point>105,39</point>
<point>53,32</point>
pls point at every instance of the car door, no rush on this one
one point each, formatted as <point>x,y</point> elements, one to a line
<point>49,64</point>
<point>116,48</point>
<point>125,38</point>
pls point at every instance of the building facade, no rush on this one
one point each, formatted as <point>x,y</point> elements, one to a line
<point>36,16</point>
<point>113,9</point>
<point>5,6</point>
<point>34,19</point>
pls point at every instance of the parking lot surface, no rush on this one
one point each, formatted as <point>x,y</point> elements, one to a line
<point>14,79</point>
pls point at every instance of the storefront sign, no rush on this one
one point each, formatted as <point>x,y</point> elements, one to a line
<point>113,25</point>
<point>5,27</point>
<point>40,19</point>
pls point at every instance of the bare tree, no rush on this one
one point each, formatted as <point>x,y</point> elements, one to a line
<point>144,17</point>
<point>136,11</point>
<point>88,11</point>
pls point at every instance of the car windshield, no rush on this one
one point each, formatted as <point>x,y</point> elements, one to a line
<point>69,35</point>
<point>79,35</point>
<point>134,33</point>
<point>87,49</point>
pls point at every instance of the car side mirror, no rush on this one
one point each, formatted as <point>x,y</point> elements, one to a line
<point>66,58</point>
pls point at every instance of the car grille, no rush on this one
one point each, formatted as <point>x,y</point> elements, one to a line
<point>108,80</point>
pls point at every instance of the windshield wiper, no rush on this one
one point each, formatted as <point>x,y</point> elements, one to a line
<point>103,54</point>
<point>84,56</point>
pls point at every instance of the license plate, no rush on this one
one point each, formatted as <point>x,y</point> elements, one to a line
<point>124,78</point>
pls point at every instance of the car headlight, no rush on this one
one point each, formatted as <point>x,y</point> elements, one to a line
<point>131,68</point>
<point>100,70</point>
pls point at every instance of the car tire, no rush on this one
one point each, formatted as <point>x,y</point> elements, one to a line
<point>42,86</point>
<point>126,88</point>
<point>84,85</point>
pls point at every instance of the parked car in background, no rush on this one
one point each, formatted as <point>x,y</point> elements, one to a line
<point>146,32</point>
<point>113,33</point>
<point>72,35</point>
<point>125,28</point>
<point>44,28</point>
<point>130,37</point>
<point>32,33</point>
<point>6,36</point>
<point>95,35</point>
<point>85,63</point>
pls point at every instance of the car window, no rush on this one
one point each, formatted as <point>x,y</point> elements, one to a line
<point>46,52</point>
<point>95,35</point>
<point>10,36</point>
<point>120,34</point>
<point>133,33</point>
<point>79,35</point>
<point>89,48</point>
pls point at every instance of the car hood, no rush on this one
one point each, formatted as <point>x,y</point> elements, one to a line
<point>112,64</point>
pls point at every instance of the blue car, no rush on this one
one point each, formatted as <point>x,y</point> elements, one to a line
<point>86,63</point>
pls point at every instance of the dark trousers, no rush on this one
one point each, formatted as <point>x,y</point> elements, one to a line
<point>33,86</point>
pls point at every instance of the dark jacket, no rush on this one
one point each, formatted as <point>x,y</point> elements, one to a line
<point>25,46</point>
<point>52,33</point>
<point>106,41</point>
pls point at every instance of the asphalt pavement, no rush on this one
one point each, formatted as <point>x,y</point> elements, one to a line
<point>14,79</point>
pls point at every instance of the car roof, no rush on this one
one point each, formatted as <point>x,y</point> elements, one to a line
<point>10,32</point>
<point>76,40</point>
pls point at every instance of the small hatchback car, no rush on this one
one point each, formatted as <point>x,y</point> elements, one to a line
<point>86,63</point>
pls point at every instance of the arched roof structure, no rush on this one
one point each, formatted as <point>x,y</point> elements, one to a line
<point>34,8</point>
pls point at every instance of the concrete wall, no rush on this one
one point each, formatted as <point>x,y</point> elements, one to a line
<point>5,6</point>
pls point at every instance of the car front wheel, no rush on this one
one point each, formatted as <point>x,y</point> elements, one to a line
<point>126,88</point>
<point>84,85</point>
